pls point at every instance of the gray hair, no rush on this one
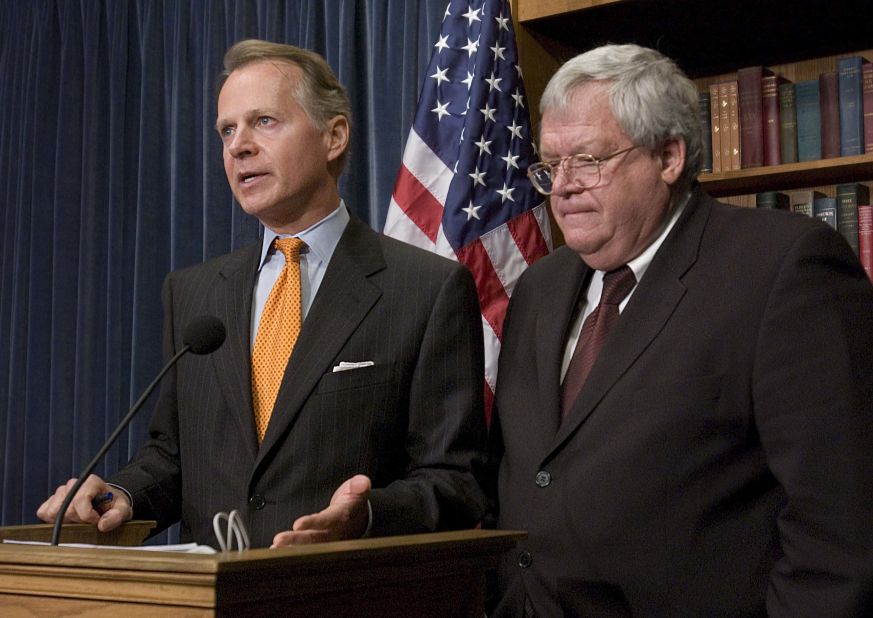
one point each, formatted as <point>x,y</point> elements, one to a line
<point>652,100</point>
<point>318,92</point>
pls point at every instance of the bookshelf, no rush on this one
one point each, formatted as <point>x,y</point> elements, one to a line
<point>710,40</point>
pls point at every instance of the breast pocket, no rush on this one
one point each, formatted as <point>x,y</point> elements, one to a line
<point>701,392</point>
<point>360,377</point>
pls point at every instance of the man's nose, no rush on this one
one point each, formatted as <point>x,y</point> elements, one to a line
<point>241,143</point>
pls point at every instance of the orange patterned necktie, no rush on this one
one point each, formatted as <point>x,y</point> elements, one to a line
<point>277,333</point>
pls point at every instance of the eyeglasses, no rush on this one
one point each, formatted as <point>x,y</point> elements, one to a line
<point>582,169</point>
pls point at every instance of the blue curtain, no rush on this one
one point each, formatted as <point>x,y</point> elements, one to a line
<point>111,176</point>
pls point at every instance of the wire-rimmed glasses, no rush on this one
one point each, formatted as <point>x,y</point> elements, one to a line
<point>583,170</point>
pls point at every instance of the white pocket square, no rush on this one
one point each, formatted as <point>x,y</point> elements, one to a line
<point>346,366</point>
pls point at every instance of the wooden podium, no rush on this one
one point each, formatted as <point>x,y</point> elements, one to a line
<point>439,574</point>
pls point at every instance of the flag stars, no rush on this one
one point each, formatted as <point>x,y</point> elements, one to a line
<point>502,22</point>
<point>488,112</point>
<point>448,12</point>
<point>468,81</point>
<point>515,129</point>
<point>472,211</point>
<point>478,177</point>
<point>472,16</point>
<point>511,160</point>
<point>498,52</point>
<point>494,82</point>
<point>472,46</point>
<point>440,75</point>
<point>442,43</point>
<point>506,193</point>
<point>483,145</point>
<point>441,110</point>
<point>518,98</point>
<point>518,70</point>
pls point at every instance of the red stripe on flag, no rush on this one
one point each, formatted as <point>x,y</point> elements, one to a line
<point>528,236</point>
<point>418,203</point>
<point>492,295</point>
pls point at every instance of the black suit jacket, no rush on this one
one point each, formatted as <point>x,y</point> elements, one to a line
<point>413,421</point>
<point>719,459</point>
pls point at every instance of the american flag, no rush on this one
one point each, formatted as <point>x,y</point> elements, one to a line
<point>462,190</point>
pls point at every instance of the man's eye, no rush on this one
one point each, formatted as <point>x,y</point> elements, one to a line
<point>226,132</point>
<point>265,121</point>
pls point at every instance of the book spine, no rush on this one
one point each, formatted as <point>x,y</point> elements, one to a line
<point>825,208</point>
<point>802,201</point>
<point>724,122</point>
<point>865,237</point>
<point>772,199</point>
<point>734,113</point>
<point>750,112</point>
<point>851,106</point>
<point>715,134</point>
<point>849,195</point>
<point>787,124</point>
<point>830,115</point>
<point>867,95</point>
<point>770,101</point>
<point>807,100</point>
<point>705,116</point>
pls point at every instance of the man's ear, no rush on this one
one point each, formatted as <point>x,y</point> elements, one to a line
<point>337,137</point>
<point>672,160</point>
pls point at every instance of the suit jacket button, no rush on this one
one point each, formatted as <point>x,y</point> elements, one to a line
<point>524,559</point>
<point>543,478</point>
<point>257,502</point>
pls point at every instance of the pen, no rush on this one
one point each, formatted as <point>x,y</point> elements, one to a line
<point>101,500</point>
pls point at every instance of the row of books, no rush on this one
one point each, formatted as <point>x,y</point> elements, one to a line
<point>764,119</point>
<point>849,212</point>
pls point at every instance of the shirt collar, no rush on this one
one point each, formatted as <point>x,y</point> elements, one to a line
<point>321,239</point>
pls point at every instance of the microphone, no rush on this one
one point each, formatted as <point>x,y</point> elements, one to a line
<point>203,335</point>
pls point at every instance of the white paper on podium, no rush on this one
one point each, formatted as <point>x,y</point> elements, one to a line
<point>185,548</point>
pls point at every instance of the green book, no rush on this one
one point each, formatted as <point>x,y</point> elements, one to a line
<point>787,123</point>
<point>849,196</point>
<point>772,199</point>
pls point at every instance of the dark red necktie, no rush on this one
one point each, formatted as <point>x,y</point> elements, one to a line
<point>617,284</point>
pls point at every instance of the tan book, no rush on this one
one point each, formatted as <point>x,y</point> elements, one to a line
<point>734,113</point>
<point>715,129</point>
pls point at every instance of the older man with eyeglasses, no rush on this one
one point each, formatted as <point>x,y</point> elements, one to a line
<point>684,411</point>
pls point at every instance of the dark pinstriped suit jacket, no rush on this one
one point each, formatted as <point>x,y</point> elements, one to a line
<point>413,421</point>
<point>719,459</point>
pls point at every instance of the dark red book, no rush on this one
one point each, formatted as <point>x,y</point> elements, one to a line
<point>749,92</point>
<point>867,96</point>
<point>865,237</point>
<point>829,91</point>
<point>772,118</point>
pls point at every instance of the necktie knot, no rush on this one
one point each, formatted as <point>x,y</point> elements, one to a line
<point>617,284</point>
<point>290,247</point>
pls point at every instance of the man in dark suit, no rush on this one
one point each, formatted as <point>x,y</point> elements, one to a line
<point>717,459</point>
<point>377,425</point>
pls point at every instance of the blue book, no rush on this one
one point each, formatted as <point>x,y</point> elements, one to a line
<point>851,106</point>
<point>806,101</point>
<point>825,208</point>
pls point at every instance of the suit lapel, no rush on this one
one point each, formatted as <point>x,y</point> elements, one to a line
<point>646,313</point>
<point>232,303</point>
<point>343,300</point>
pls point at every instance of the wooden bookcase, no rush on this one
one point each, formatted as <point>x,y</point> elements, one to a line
<point>711,40</point>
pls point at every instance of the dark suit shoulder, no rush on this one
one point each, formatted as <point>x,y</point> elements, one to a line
<point>398,252</point>
<point>225,263</point>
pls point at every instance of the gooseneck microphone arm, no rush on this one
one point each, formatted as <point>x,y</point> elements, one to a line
<point>202,336</point>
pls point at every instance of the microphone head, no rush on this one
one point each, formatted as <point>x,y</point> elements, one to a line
<point>204,334</point>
